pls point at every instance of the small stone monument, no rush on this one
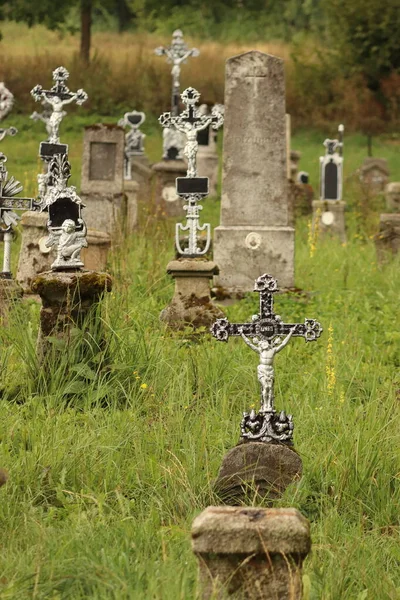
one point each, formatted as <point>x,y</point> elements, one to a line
<point>392,196</point>
<point>137,165</point>
<point>374,175</point>
<point>111,201</point>
<point>387,240</point>
<point>68,292</point>
<point>251,553</point>
<point>254,233</point>
<point>328,211</point>
<point>35,257</point>
<point>263,458</point>
<point>191,304</point>
<point>172,165</point>
<point>207,156</point>
<point>9,202</point>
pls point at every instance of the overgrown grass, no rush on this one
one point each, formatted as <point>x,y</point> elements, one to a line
<point>109,463</point>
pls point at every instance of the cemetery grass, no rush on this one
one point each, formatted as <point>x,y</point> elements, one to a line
<point>110,459</point>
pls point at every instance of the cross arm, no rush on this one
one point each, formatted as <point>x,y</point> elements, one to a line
<point>18,204</point>
<point>222,329</point>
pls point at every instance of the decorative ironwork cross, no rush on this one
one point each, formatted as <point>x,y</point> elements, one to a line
<point>189,122</point>
<point>193,227</point>
<point>11,131</point>
<point>266,330</point>
<point>177,53</point>
<point>9,188</point>
<point>58,95</point>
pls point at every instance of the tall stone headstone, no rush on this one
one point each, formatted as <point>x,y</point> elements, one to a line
<point>254,234</point>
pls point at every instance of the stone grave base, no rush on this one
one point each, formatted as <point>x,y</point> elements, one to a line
<point>387,240</point>
<point>392,196</point>
<point>131,189</point>
<point>252,468</point>
<point>166,201</point>
<point>207,166</point>
<point>34,257</point>
<point>251,553</point>
<point>191,304</point>
<point>95,255</point>
<point>10,293</point>
<point>242,253</point>
<point>67,301</point>
<point>328,217</point>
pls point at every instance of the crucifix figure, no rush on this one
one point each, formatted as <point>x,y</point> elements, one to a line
<point>177,53</point>
<point>9,188</point>
<point>190,122</point>
<point>57,97</point>
<point>264,335</point>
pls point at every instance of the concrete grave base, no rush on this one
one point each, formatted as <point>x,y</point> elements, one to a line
<point>95,255</point>
<point>68,299</point>
<point>251,553</point>
<point>191,304</point>
<point>166,201</point>
<point>328,217</point>
<point>243,253</point>
<point>387,240</point>
<point>34,257</point>
<point>257,468</point>
<point>10,293</point>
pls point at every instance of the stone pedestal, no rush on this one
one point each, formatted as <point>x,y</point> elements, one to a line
<point>254,236</point>
<point>251,553</point>
<point>10,293</point>
<point>257,468</point>
<point>95,255</point>
<point>191,304</point>
<point>328,217</point>
<point>34,257</point>
<point>166,201</point>
<point>392,196</point>
<point>207,166</point>
<point>387,240</point>
<point>68,301</point>
<point>131,189</point>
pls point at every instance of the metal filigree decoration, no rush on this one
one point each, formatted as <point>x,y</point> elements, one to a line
<point>6,101</point>
<point>193,228</point>
<point>57,97</point>
<point>9,188</point>
<point>189,122</point>
<point>267,335</point>
<point>134,138</point>
<point>67,230</point>
<point>331,168</point>
<point>177,53</point>
<point>11,131</point>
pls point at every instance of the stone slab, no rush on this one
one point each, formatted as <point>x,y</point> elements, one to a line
<point>387,240</point>
<point>34,257</point>
<point>244,252</point>
<point>103,160</point>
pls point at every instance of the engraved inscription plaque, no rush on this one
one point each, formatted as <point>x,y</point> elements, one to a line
<point>102,161</point>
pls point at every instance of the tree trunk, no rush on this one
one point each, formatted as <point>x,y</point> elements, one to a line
<point>86,27</point>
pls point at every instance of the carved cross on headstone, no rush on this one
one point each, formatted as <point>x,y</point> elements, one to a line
<point>177,53</point>
<point>266,331</point>
<point>57,96</point>
<point>190,122</point>
<point>331,168</point>
<point>9,188</point>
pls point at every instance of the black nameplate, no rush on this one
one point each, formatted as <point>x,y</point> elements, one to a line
<point>48,150</point>
<point>330,191</point>
<point>192,185</point>
<point>135,119</point>
<point>172,153</point>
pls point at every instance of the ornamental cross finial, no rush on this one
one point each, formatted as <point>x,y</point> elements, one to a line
<point>57,97</point>
<point>189,122</point>
<point>264,335</point>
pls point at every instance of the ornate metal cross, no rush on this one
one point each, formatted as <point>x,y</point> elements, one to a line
<point>266,331</point>
<point>57,97</point>
<point>11,131</point>
<point>189,122</point>
<point>177,53</point>
<point>9,188</point>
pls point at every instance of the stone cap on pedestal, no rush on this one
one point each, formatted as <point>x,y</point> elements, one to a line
<point>55,286</point>
<point>170,166</point>
<point>192,267</point>
<point>34,219</point>
<point>249,530</point>
<point>130,185</point>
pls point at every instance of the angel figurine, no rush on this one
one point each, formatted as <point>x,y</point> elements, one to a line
<point>69,243</point>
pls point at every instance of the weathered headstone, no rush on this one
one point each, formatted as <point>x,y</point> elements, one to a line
<point>387,240</point>
<point>108,200</point>
<point>392,196</point>
<point>244,467</point>
<point>328,211</point>
<point>254,234</point>
<point>191,303</point>
<point>251,553</point>
<point>374,175</point>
